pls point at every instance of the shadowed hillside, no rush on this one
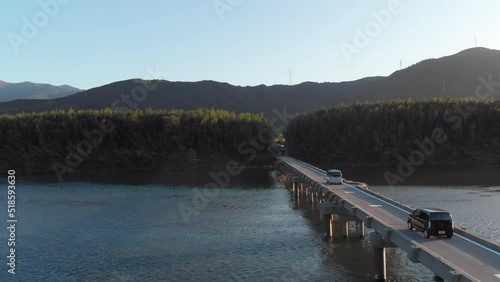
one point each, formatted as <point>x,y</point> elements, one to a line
<point>194,95</point>
<point>453,76</point>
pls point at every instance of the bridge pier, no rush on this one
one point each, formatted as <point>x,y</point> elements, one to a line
<point>336,210</point>
<point>380,263</point>
<point>309,192</point>
<point>379,256</point>
<point>297,185</point>
<point>335,220</point>
<point>329,226</point>
<point>340,226</point>
<point>333,227</point>
<point>360,226</point>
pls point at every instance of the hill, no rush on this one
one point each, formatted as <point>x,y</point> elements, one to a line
<point>105,140</point>
<point>193,95</point>
<point>454,76</point>
<point>30,90</point>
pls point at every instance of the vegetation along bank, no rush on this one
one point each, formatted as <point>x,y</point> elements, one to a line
<point>101,140</point>
<point>439,131</point>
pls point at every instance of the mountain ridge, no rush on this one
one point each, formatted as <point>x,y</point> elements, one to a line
<point>453,76</point>
<point>31,90</point>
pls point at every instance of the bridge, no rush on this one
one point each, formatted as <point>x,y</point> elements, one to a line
<point>465,257</point>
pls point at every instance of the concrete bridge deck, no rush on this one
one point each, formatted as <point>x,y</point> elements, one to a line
<point>464,257</point>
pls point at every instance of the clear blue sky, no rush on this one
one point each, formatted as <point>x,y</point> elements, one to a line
<point>90,43</point>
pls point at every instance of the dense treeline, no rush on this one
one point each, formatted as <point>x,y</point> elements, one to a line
<point>140,139</point>
<point>441,131</point>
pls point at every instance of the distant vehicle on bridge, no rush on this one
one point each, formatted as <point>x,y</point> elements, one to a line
<point>431,221</point>
<point>333,176</point>
<point>282,149</point>
<point>278,149</point>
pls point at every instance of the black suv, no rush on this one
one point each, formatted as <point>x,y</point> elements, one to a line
<point>431,222</point>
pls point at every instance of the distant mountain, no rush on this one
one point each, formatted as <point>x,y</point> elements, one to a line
<point>193,95</point>
<point>455,76</point>
<point>451,76</point>
<point>29,90</point>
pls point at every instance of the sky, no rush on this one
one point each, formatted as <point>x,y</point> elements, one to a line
<point>91,43</point>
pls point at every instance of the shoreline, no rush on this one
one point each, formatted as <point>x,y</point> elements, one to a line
<point>206,164</point>
<point>495,160</point>
<point>89,167</point>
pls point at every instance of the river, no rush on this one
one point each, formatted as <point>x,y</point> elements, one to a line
<point>166,227</point>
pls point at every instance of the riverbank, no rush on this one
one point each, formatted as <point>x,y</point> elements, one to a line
<point>489,160</point>
<point>171,164</point>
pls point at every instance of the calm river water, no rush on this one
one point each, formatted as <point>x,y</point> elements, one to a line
<point>160,227</point>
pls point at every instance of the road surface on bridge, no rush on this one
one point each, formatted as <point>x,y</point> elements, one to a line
<point>472,258</point>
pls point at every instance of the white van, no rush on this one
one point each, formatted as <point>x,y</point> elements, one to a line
<point>333,176</point>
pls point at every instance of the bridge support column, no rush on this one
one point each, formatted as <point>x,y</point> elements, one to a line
<point>379,258</point>
<point>326,221</point>
<point>296,188</point>
<point>335,228</point>
<point>380,263</point>
<point>299,189</point>
<point>338,225</point>
<point>331,229</point>
<point>296,184</point>
<point>360,226</point>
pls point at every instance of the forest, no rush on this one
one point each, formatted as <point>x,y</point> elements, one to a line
<point>437,131</point>
<point>103,140</point>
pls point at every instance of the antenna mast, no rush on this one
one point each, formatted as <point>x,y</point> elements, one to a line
<point>290,82</point>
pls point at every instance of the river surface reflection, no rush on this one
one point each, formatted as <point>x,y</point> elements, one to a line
<point>159,227</point>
